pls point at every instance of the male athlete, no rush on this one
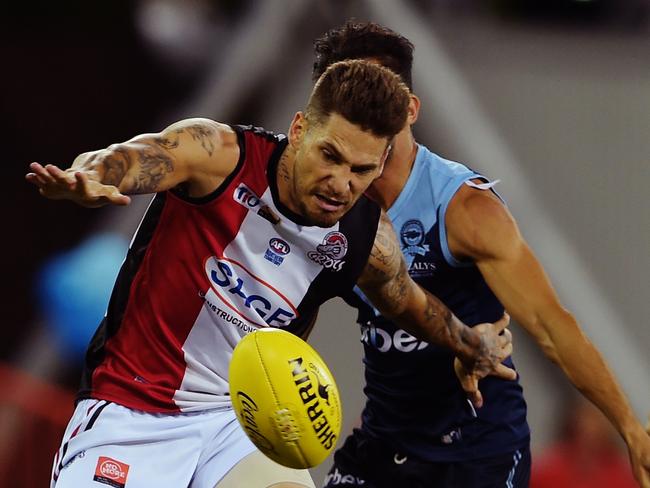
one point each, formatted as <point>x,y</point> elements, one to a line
<point>461,244</point>
<point>247,230</point>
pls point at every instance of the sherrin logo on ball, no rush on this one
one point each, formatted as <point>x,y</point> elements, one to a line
<point>285,398</point>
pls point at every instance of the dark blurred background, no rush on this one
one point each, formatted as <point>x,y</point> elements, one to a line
<point>552,97</point>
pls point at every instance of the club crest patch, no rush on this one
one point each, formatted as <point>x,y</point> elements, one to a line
<point>412,236</point>
<point>330,253</point>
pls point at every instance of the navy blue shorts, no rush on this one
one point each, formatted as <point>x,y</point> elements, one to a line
<point>365,463</point>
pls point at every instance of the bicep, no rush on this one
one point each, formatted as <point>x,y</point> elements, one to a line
<point>194,151</point>
<point>488,235</point>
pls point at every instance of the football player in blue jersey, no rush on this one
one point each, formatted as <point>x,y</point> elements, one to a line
<point>418,429</point>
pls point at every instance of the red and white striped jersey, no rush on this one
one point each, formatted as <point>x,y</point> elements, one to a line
<point>203,272</point>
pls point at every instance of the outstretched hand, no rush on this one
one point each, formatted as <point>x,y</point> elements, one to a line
<point>56,184</point>
<point>496,345</point>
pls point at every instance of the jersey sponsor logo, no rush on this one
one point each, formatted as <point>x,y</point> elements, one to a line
<point>249,412</point>
<point>331,252</point>
<point>276,251</point>
<point>383,341</point>
<point>111,472</point>
<point>248,296</point>
<point>227,316</point>
<point>412,236</point>
<point>309,396</point>
<point>248,199</point>
<point>421,268</point>
<point>338,478</point>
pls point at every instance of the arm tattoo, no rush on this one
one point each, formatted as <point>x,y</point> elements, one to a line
<point>116,165</point>
<point>171,141</point>
<point>154,166</point>
<point>203,135</point>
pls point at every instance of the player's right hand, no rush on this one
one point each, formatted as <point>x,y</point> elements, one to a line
<point>496,345</point>
<point>56,184</point>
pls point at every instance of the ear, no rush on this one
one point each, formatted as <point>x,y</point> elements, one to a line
<point>414,110</point>
<point>297,130</point>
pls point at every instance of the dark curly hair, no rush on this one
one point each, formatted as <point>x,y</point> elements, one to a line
<point>363,40</point>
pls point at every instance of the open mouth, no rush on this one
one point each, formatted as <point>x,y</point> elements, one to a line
<point>329,204</point>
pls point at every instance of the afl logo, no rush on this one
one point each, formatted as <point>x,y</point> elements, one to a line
<point>412,235</point>
<point>279,246</point>
<point>248,296</point>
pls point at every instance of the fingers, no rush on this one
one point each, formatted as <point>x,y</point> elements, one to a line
<point>101,196</point>
<point>505,338</point>
<point>469,384</point>
<point>58,175</point>
<point>504,372</point>
<point>505,351</point>
<point>42,175</point>
<point>116,198</point>
<point>503,322</point>
<point>34,179</point>
<point>82,183</point>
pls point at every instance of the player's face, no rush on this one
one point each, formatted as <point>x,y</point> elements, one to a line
<point>335,162</point>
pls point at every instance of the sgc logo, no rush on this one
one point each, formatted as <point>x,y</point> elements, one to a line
<point>247,295</point>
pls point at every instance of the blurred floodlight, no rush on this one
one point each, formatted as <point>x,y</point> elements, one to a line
<point>178,31</point>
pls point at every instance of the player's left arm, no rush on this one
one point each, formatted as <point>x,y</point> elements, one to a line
<point>386,282</point>
<point>481,229</point>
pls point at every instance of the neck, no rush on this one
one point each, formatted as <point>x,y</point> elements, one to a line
<point>283,179</point>
<point>385,189</point>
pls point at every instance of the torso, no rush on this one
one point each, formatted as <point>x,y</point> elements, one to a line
<point>202,273</point>
<point>414,399</point>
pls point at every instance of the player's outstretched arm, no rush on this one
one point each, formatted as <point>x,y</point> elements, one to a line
<point>480,228</point>
<point>386,282</point>
<point>197,152</point>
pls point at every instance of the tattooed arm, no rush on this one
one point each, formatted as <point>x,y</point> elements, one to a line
<point>386,282</point>
<point>198,153</point>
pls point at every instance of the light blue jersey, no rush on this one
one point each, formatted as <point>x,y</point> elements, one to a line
<point>414,399</point>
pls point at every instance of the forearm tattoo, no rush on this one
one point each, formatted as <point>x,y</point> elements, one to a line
<point>153,164</point>
<point>448,331</point>
<point>116,165</point>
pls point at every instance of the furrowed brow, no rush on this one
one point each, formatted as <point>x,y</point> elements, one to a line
<point>335,152</point>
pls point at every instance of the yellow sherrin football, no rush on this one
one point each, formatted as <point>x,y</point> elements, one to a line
<point>285,398</point>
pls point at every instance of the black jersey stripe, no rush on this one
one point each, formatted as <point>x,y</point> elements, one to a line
<point>110,325</point>
<point>359,225</point>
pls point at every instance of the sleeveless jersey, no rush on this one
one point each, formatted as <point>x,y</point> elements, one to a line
<point>201,273</point>
<point>414,399</point>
